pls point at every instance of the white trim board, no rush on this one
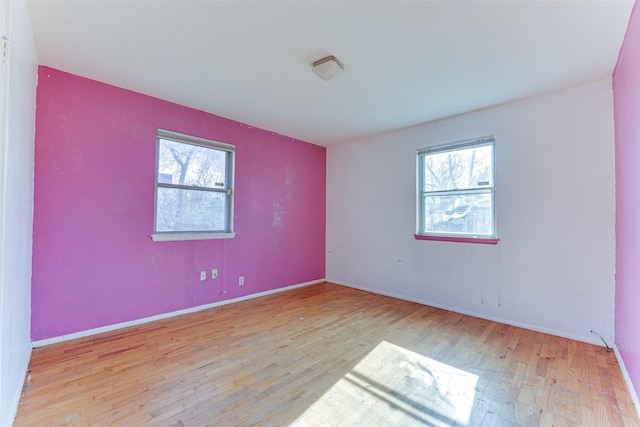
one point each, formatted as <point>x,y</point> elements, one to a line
<point>576,337</point>
<point>16,401</point>
<point>109,328</point>
<point>627,379</point>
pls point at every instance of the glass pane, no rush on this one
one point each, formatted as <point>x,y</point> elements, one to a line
<point>464,213</point>
<point>187,164</point>
<point>190,210</point>
<point>459,169</point>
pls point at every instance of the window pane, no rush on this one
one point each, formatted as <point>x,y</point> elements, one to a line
<point>464,213</point>
<point>187,164</point>
<point>460,169</point>
<point>190,210</point>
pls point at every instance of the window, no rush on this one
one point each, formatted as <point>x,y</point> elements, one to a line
<point>194,188</point>
<point>456,192</point>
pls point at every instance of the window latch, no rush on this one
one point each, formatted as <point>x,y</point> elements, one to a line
<point>229,191</point>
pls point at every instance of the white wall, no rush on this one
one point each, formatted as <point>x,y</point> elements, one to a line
<point>553,269</point>
<point>16,195</point>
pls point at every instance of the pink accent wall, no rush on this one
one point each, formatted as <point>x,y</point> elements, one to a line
<point>626,95</point>
<point>94,263</point>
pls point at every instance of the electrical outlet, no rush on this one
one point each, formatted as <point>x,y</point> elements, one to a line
<point>214,273</point>
<point>203,275</point>
<point>241,280</point>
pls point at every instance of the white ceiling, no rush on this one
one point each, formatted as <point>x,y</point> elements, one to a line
<point>406,62</point>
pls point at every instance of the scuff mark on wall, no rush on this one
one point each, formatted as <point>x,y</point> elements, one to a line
<point>278,213</point>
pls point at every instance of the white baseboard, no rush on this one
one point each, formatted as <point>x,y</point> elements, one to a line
<point>109,328</point>
<point>627,379</point>
<point>587,339</point>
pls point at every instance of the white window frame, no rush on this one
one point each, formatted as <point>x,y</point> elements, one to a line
<point>421,234</point>
<point>229,190</point>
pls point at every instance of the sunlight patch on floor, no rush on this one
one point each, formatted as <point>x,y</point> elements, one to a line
<point>395,386</point>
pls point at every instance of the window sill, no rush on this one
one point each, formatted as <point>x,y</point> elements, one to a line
<point>480,240</point>
<point>171,237</point>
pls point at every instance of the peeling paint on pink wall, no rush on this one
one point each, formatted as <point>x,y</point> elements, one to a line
<point>626,95</point>
<point>94,263</point>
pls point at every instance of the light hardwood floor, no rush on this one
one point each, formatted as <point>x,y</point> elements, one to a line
<point>325,355</point>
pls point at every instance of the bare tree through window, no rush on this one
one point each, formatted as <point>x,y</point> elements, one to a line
<point>457,189</point>
<point>193,187</point>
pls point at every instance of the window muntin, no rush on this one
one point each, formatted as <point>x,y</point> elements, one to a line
<point>194,186</point>
<point>456,189</point>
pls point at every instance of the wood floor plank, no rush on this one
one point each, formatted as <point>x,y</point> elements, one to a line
<point>324,355</point>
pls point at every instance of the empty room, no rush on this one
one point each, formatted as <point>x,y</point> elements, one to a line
<point>319,213</point>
